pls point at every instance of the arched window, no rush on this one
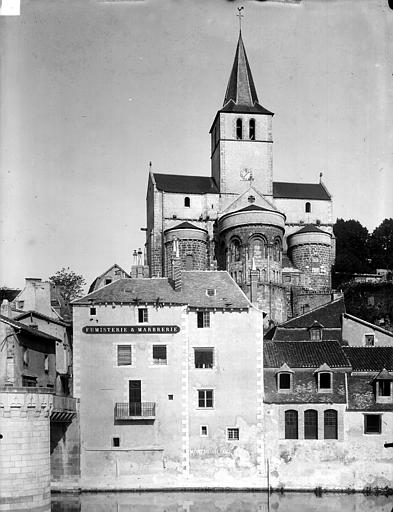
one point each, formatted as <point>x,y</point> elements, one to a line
<point>291,428</point>
<point>187,202</point>
<point>257,249</point>
<point>251,129</point>
<point>239,128</point>
<point>276,250</point>
<point>330,424</point>
<point>235,250</point>
<point>189,263</point>
<point>310,424</point>
<point>308,207</point>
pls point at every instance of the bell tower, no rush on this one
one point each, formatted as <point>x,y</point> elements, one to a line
<point>241,135</point>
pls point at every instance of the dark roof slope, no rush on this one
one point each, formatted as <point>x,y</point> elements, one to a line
<point>285,190</point>
<point>309,228</point>
<point>302,334</point>
<point>9,294</point>
<point>26,329</point>
<point>304,354</point>
<point>37,314</point>
<point>372,359</point>
<point>185,225</point>
<point>329,315</point>
<point>193,292</point>
<point>184,184</point>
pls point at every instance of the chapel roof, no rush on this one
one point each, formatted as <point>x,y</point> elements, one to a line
<point>185,184</point>
<point>286,190</point>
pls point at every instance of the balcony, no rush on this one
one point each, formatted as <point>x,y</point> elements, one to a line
<point>64,409</point>
<point>135,411</point>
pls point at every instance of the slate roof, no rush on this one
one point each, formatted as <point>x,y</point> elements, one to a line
<point>27,330</point>
<point>301,334</point>
<point>309,228</point>
<point>329,315</point>
<point>9,294</point>
<point>184,184</point>
<point>241,94</point>
<point>304,354</point>
<point>372,359</point>
<point>253,207</point>
<point>185,225</point>
<point>193,292</point>
<point>300,191</point>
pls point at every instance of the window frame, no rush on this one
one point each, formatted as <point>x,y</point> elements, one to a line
<point>201,431</point>
<point>203,398</point>
<point>239,129</point>
<point>203,319</point>
<point>367,430</point>
<point>93,311</point>
<point>143,313</point>
<point>307,207</point>
<point>233,434</point>
<point>251,129</point>
<point>310,428</point>
<point>332,427</point>
<point>325,390</point>
<point>206,349</point>
<point>129,346</point>
<point>187,202</point>
<point>157,361</point>
<point>294,427</point>
<point>116,442</point>
<point>281,389</point>
<point>369,336</point>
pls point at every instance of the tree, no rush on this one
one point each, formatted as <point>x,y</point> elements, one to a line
<point>381,245</point>
<point>352,255</point>
<point>70,284</point>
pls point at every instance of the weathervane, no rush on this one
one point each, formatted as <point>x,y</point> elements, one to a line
<point>240,16</point>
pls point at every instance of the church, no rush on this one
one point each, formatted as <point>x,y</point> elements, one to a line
<point>274,238</point>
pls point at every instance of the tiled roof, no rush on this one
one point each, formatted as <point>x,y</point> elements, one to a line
<point>184,184</point>
<point>253,207</point>
<point>300,191</point>
<point>41,315</point>
<point>241,92</point>
<point>310,228</point>
<point>304,354</point>
<point>193,292</point>
<point>185,225</point>
<point>329,315</point>
<point>302,334</point>
<point>372,359</point>
<point>27,330</point>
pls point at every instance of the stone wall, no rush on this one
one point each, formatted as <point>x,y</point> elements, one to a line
<point>24,449</point>
<point>65,450</point>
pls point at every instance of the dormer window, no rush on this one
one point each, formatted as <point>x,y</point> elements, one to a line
<point>324,379</point>
<point>251,129</point>
<point>308,207</point>
<point>316,331</point>
<point>187,202</point>
<point>239,128</point>
<point>383,387</point>
<point>284,379</point>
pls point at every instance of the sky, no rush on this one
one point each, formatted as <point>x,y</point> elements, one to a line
<point>92,91</point>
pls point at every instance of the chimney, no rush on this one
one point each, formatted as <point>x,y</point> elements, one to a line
<point>253,282</point>
<point>138,270</point>
<point>6,308</point>
<point>176,266</point>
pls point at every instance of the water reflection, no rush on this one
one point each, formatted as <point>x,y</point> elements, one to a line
<point>219,502</point>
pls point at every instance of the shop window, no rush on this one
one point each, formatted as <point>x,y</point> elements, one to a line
<point>330,424</point>
<point>203,357</point>
<point>124,355</point>
<point>233,434</point>
<point>159,354</point>
<point>205,398</point>
<point>310,424</point>
<point>369,340</point>
<point>203,319</point>
<point>204,431</point>
<point>251,129</point>
<point>291,424</point>
<point>187,202</point>
<point>308,207</point>
<point>372,424</point>
<point>239,128</point>
<point>142,315</point>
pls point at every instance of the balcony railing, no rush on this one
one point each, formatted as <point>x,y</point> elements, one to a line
<point>135,411</point>
<point>64,409</point>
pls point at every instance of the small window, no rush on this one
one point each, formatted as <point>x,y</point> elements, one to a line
<point>384,388</point>
<point>29,382</point>
<point>46,363</point>
<point>170,397</point>
<point>142,315</point>
<point>239,128</point>
<point>204,431</point>
<point>187,202</point>
<point>316,334</point>
<point>115,442</point>
<point>124,355</point>
<point>372,424</point>
<point>324,381</point>
<point>189,263</point>
<point>233,434</point>
<point>369,340</point>
<point>203,357</point>
<point>308,207</point>
<point>205,398</point>
<point>251,127</point>
<point>21,304</point>
<point>25,355</point>
<point>210,292</point>
<point>310,424</point>
<point>330,424</point>
<point>291,424</point>
<point>93,311</point>
<point>108,280</point>
<point>159,354</point>
<point>284,381</point>
<point>203,319</point>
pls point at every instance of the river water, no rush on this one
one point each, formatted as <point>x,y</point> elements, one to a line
<point>219,502</point>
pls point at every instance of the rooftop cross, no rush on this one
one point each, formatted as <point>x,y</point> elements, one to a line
<point>240,16</point>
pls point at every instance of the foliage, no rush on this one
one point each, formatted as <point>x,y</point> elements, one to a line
<point>381,245</point>
<point>71,284</point>
<point>352,255</point>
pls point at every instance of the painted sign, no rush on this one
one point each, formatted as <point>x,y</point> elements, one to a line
<point>131,329</point>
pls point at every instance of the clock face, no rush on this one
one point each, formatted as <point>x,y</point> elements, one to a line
<point>246,174</point>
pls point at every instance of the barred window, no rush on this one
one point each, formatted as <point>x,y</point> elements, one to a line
<point>124,355</point>
<point>291,424</point>
<point>233,434</point>
<point>330,424</point>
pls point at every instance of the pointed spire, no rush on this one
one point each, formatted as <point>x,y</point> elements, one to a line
<point>241,91</point>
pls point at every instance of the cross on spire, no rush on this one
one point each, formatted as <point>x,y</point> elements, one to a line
<point>240,16</point>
